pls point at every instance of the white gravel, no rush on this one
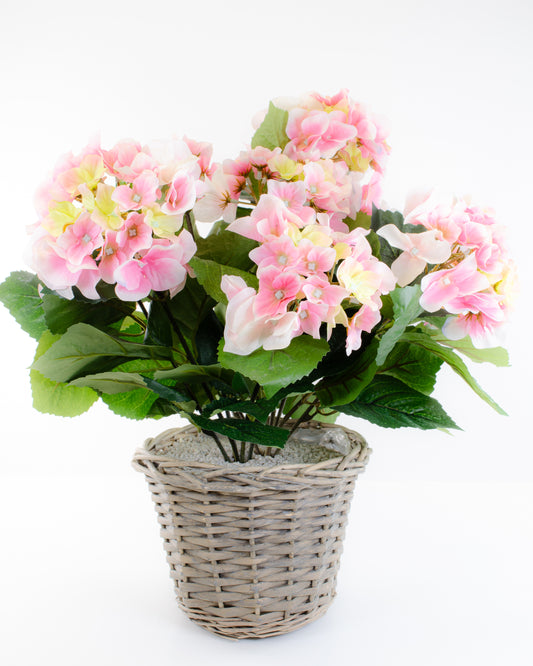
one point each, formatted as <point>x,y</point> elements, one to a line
<point>201,448</point>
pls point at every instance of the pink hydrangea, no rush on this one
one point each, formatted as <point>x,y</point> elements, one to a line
<point>115,215</point>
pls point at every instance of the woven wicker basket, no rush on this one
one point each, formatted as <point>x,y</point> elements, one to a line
<point>254,552</point>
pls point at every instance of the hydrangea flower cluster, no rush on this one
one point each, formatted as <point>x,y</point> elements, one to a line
<point>334,145</point>
<point>472,278</point>
<point>309,274</point>
<point>116,215</point>
<point>312,269</point>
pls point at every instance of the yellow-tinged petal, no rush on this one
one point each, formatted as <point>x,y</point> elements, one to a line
<point>317,235</point>
<point>60,217</point>
<point>287,168</point>
<point>87,198</point>
<point>91,170</point>
<point>353,157</point>
<point>342,250</point>
<point>163,225</point>
<point>294,233</point>
<point>105,211</point>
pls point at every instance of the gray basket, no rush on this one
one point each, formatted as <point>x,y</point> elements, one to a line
<point>253,551</point>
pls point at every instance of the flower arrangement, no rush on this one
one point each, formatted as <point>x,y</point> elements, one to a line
<point>256,294</point>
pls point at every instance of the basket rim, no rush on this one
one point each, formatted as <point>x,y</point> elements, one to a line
<point>146,455</point>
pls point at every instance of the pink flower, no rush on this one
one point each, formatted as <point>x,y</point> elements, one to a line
<point>364,276</point>
<point>319,290</point>
<point>293,196</point>
<point>220,198</point>
<point>135,235</point>
<point>276,290</point>
<point>172,156</point>
<point>111,257</point>
<point>204,152</point>
<point>419,250</point>
<point>144,192</point>
<point>280,252</point>
<point>269,219</point>
<point>310,317</point>
<point>244,331</point>
<point>425,208</point>
<point>443,287</point>
<point>315,259</point>
<point>316,134</point>
<point>364,320</point>
<point>77,243</point>
<point>162,267</point>
<point>327,186</point>
<point>479,316</point>
<point>127,160</point>
<point>57,273</point>
<point>181,194</point>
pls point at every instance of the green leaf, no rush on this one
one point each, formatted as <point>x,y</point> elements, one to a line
<point>209,275</point>
<point>61,313</point>
<point>271,133</point>
<point>207,339</point>
<point>406,307</point>
<point>412,365</point>
<point>244,431</point>
<point>382,217</point>
<point>260,409</point>
<point>135,405</point>
<point>389,403</point>
<point>423,340</point>
<point>498,356</point>
<point>361,220</point>
<point>129,329</point>
<point>111,382</point>
<point>19,293</point>
<point>57,398</point>
<point>275,369</point>
<point>343,389</point>
<point>226,247</point>
<point>84,350</point>
<point>198,374</point>
<point>189,307</point>
<point>166,392</point>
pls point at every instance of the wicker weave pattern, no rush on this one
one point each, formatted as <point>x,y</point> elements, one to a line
<point>254,552</point>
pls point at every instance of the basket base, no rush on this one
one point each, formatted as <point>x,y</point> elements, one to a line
<point>233,630</point>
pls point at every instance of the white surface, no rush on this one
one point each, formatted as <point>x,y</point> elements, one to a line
<point>437,566</point>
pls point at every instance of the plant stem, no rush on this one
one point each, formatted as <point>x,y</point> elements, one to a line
<point>280,411</point>
<point>294,408</point>
<point>212,434</point>
<point>243,451</point>
<point>192,361</point>
<point>178,332</point>
<point>143,309</point>
<point>304,417</point>
<point>189,224</point>
<point>250,451</point>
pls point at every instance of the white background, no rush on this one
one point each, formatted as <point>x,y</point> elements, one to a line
<point>437,565</point>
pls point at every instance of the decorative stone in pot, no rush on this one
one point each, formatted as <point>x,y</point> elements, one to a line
<point>254,548</point>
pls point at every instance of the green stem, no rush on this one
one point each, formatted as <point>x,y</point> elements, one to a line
<point>190,225</point>
<point>250,451</point>
<point>280,411</point>
<point>294,408</point>
<point>304,417</point>
<point>212,434</point>
<point>143,309</point>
